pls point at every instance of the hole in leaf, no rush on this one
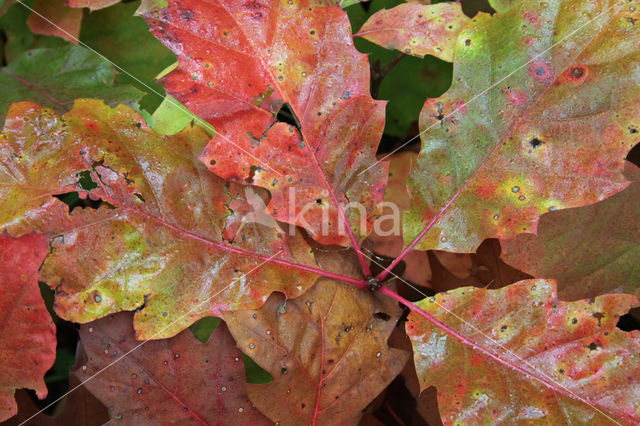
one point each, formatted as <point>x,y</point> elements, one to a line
<point>252,174</point>
<point>630,321</point>
<point>85,181</point>
<point>73,200</point>
<point>286,115</point>
<point>382,315</point>
<point>634,155</point>
<point>255,374</point>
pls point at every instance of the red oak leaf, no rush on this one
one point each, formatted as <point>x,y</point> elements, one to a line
<point>27,333</point>
<point>239,63</point>
<point>178,380</point>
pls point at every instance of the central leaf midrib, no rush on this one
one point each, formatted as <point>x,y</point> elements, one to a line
<point>204,240</point>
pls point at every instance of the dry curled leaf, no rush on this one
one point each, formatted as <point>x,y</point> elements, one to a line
<point>326,350</point>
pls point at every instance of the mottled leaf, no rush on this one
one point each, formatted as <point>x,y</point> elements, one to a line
<point>326,350</point>
<point>591,250</point>
<point>417,29</point>
<point>586,368</point>
<point>281,52</point>
<point>173,381</point>
<point>55,77</point>
<point>341,3</point>
<point>156,239</point>
<point>502,5</point>
<point>53,18</point>
<point>407,83</point>
<point>27,333</point>
<point>538,118</point>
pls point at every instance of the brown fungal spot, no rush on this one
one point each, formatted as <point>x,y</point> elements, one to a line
<point>598,316</point>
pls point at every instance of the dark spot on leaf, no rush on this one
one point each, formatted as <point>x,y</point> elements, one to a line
<point>576,73</point>
<point>535,142</point>
<point>593,346</point>
<point>382,315</point>
<point>598,316</point>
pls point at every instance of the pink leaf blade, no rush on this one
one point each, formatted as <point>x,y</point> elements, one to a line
<point>320,75</point>
<point>584,364</point>
<point>27,332</point>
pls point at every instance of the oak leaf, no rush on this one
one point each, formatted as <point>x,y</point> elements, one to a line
<point>591,250</point>
<point>535,121</point>
<point>156,239</point>
<point>53,18</point>
<point>417,29</point>
<point>239,63</point>
<point>91,4</point>
<point>55,77</point>
<point>584,367</point>
<point>171,381</point>
<point>27,333</point>
<point>326,350</point>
